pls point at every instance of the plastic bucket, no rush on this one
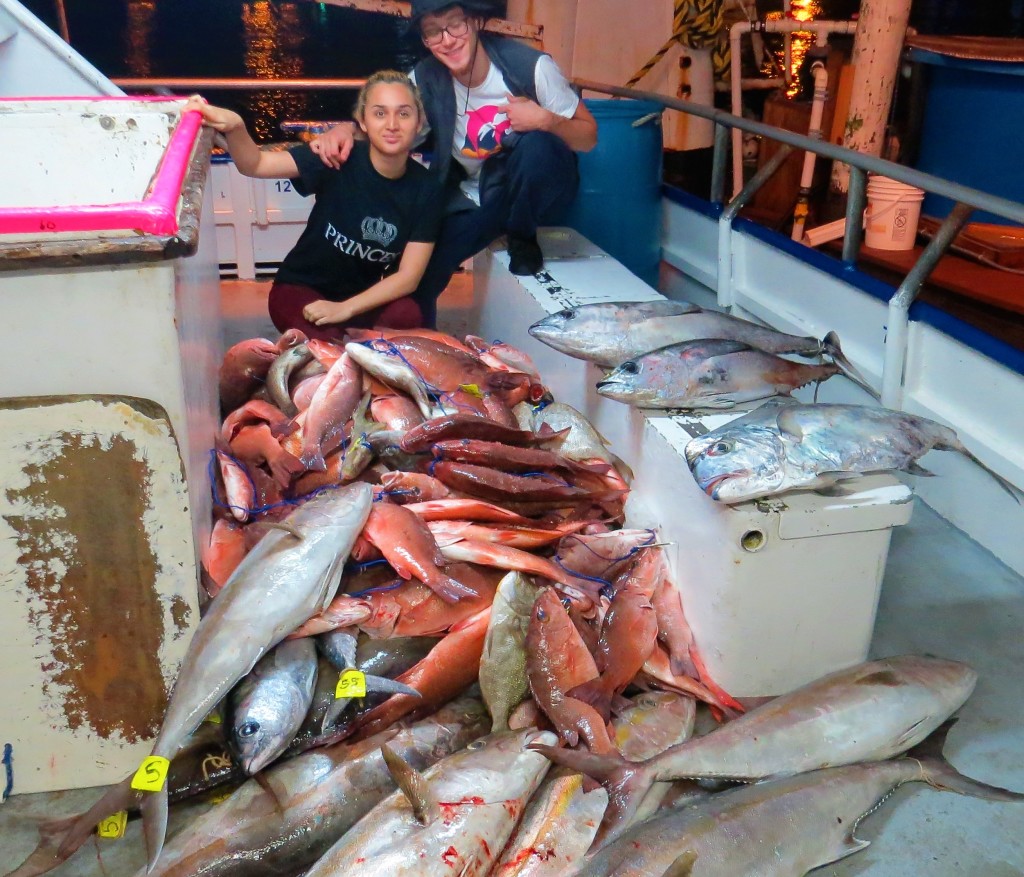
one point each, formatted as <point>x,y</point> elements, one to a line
<point>618,205</point>
<point>893,212</point>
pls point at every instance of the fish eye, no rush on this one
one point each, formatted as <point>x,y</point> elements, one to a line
<point>629,367</point>
<point>542,615</point>
<point>568,314</point>
<point>248,729</point>
<point>722,446</point>
<point>475,745</point>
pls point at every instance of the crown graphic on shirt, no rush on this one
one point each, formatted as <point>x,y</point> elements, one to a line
<point>376,229</point>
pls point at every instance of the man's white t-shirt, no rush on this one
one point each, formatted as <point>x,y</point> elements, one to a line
<point>480,124</point>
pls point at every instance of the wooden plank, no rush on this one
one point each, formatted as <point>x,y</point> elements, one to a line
<point>400,9</point>
<point>98,600</point>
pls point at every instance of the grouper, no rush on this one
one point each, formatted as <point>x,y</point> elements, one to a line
<point>868,712</point>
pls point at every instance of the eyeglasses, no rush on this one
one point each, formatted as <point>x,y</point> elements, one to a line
<point>455,29</point>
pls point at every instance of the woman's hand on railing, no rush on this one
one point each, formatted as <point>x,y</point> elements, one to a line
<point>224,121</point>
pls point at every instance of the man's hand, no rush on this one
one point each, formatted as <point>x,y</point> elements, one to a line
<point>325,313</point>
<point>526,115</point>
<point>334,145</point>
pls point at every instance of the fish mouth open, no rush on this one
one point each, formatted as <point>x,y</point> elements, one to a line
<point>711,488</point>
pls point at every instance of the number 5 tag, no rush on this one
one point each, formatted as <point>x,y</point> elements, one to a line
<point>151,774</point>
<point>113,826</point>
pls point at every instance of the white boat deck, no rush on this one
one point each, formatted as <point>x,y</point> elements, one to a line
<point>942,594</point>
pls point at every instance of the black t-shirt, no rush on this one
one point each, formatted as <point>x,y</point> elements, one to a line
<point>360,223</point>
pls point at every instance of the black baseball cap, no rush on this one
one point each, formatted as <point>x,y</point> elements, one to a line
<point>425,7</point>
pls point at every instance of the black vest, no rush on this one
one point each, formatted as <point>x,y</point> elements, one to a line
<point>517,63</point>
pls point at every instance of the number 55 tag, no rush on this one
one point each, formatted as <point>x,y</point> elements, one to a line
<point>351,684</point>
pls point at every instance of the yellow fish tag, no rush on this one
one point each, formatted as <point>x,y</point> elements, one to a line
<point>113,826</point>
<point>352,683</point>
<point>473,390</point>
<point>213,718</point>
<point>151,774</point>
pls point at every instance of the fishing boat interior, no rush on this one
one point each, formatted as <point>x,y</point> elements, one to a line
<point>850,175</point>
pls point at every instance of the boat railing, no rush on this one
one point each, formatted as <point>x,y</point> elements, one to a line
<point>966,201</point>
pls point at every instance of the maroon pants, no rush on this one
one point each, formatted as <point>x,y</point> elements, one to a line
<point>287,300</point>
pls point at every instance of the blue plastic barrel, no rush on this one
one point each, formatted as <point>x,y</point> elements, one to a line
<point>618,205</point>
<point>973,128</point>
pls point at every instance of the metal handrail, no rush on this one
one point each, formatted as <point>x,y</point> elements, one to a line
<point>977,199</point>
<point>243,84</point>
<point>965,201</point>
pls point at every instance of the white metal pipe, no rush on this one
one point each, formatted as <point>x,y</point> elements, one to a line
<point>724,261</point>
<point>820,29</point>
<point>895,354</point>
<point>820,72</point>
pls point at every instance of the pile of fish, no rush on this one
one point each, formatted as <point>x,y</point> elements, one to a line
<point>667,354</point>
<point>670,354</point>
<point>428,634</point>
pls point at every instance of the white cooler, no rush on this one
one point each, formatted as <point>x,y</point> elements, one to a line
<point>777,592</point>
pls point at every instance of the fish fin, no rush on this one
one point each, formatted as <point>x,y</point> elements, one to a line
<point>383,685</point>
<point>682,866</point>
<point>286,527</point>
<point>830,347</point>
<point>334,711</point>
<point>45,857</point>
<point>788,422</point>
<point>627,783</point>
<point>313,460</point>
<point>916,469</point>
<point>595,695</point>
<point>904,739</point>
<point>412,784</point>
<point>450,590</point>
<point>940,774</point>
<point>623,468</point>
<point>115,799</point>
<point>286,466</point>
<point>264,783</point>
<point>154,825</point>
<point>849,847</point>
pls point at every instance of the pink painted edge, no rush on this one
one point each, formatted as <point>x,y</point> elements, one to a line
<point>93,97</point>
<point>155,214</point>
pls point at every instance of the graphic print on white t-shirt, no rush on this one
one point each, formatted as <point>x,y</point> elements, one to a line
<point>479,124</point>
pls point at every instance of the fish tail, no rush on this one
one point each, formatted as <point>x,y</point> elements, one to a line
<point>46,856</point>
<point>313,459</point>
<point>116,798</point>
<point>1010,488</point>
<point>830,347</point>
<point>449,590</point>
<point>938,772</point>
<point>285,466</point>
<point>594,694</point>
<point>729,705</point>
<point>154,825</point>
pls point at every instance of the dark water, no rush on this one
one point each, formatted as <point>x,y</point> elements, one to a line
<point>268,38</point>
<point>232,38</point>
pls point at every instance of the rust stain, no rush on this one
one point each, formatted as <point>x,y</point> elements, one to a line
<point>93,576</point>
<point>181,614</point>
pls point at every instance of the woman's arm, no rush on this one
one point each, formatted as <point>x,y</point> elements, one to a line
<point>404,281</point>
<point>248,157</point>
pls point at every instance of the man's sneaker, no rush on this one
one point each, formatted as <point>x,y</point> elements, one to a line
<point>524,255</point>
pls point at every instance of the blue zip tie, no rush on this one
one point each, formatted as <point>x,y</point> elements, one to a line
<point>8,763</point>
<point>604,583</point>
<point>546,475</point>
<point>436,392</point>
<point>359,567</point>
<point>378,590</point>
